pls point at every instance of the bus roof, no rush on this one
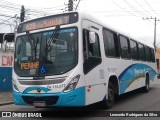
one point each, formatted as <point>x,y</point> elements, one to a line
<point>105,25</point>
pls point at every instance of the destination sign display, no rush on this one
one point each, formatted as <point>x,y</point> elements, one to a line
<point>49,21</point>
<point>29,65</point>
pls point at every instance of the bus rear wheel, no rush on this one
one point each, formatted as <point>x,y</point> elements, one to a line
<point>146,87</point>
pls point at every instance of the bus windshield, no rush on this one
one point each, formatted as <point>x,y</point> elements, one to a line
<point>46,53</point>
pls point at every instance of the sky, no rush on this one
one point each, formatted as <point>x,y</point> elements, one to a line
<point>124,15</point>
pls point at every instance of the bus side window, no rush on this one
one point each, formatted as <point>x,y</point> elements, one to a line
<point>134,50</point>
<point>91,52</point>
<point>111,43</point>
<point>125,49</point>
<point>148,57</point>
<point>95,48</point>
<point>153,55</point>
<point>142,55</point>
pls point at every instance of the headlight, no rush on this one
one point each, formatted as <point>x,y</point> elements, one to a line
<point>15,88</point>
<point>72,84</point>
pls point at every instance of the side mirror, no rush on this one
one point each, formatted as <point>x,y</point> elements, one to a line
<point>92,37</point>
<point>4,45</point>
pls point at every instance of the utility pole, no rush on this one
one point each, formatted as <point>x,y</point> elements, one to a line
<point>70,5</point>
<point>22,14</point>
<point>155,25</point>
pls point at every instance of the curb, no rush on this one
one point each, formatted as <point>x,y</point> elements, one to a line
<point>6,103</point>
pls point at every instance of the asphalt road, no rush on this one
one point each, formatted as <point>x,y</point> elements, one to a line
<point>134,101</point>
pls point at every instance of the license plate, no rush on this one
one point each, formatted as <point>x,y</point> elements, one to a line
<point>39,103</point>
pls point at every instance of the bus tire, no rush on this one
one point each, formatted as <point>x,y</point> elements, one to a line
<point>147,85</point>
<point>108,102</point>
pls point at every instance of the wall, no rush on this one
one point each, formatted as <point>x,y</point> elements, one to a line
<point>6,62</point>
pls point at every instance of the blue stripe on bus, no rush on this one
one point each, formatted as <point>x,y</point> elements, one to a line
<point>133,73</point>
<point>72,98</point>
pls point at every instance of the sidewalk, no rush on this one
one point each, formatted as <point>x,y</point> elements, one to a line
<point>6,98</point>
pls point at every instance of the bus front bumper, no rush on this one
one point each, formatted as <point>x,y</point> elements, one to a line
<point>74,97</point>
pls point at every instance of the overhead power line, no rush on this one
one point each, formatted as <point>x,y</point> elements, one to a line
<point>149,5</point>
<point>5,15</point>
<point>77,5</point>
<point>123,8</point>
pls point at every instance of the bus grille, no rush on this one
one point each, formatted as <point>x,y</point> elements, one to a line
<point>41,82</point>
<point>49,100</point>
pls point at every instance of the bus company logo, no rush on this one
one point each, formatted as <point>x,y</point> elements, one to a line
<point>38,90</point>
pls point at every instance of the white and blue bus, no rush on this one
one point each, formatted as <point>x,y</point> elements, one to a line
<point>72,59</point>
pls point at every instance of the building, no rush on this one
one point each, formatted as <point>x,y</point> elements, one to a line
<point>6,60</point>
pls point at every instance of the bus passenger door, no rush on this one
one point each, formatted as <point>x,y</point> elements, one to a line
<point>93,64</point>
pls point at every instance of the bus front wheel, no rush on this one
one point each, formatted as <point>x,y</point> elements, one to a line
<point>110,96</point>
